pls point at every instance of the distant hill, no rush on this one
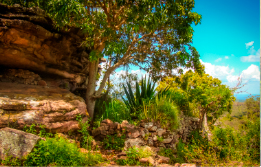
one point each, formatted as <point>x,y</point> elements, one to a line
<point>243,97</point>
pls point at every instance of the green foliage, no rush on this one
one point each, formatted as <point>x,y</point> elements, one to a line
<point>163,110</point>
<point>226,145</point>
<point>11,161</point>
<point>160,139</point>
<point>198,93</point>
<point>114,142</point>
<point>134,154</point>
<point>253,107</point>
<point>40,132</point>
<point>59,151</point>
<point>86,138</point>
<point>253,138</point>
<point>167,152</point>
<point>144,91</point>
<point>116,111</point>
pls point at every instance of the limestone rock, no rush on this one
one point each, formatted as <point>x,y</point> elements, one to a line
<point>153,129</point>
<point>107,121</point>
<point>162,159</point>
<point>27,104</point>
<point>134,134</point>
<point>29,40</point>
<point>160,132</point>
<point>134,142</point>
<point>187,165</point>
<point>18,143</point>
<point>167,141</point>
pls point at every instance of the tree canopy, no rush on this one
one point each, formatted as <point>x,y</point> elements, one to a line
<point>199,93</point>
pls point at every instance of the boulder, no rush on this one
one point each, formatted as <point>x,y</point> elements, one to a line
<point>16,143</point>
<point>55,108</point>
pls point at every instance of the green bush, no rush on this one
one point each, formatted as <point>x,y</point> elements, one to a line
<point>253,138</point>
<point>253,106</point>
<point>162,110</point>
<point>60,152</point>
<point>116,111</point>
<point>114,142</point>
<point>167,152</point>
<point>86,138</point>
<point>134,154</point>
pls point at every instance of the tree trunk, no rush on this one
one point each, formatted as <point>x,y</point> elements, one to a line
<point>90,100</point>
<point>205,129</point>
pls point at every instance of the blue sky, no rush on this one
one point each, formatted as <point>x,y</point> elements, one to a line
<point>228,41</point>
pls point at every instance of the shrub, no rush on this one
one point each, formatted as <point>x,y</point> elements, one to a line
<point>253,106</point>
<point>134,154</point>
<point>59,151</point>
<point>116,111</point>
<point>86,138</point>
<point>162,110</point>
<point>114,142</point>
<point>167,152</point>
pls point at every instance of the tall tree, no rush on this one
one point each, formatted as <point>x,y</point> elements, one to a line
<point>155,35</point>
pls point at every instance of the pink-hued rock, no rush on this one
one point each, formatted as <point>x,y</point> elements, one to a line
<point>188,165</point>
<point>16,143</point>
<point>55,108</point>
<point>163,159</point>
<point>107,121</point>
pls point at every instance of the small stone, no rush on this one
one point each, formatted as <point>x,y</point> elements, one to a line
<point>151,160</point>
<point>41,83</point>
<point>122,154</point>
<point>163,159</point>
<point>155,138</point>
<point>177,165</point>
<point>160,132</point>
<point>153,129</point>
<point>107,121</point>
<point>148,125</point>
<point>187,165</point>
<point>166,141</point>
<point>134,134</point>
<point>125,122</point>
<point>142,134</point>
<point>144,160</point>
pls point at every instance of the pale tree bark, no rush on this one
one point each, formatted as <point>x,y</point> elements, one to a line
<point>90,100</point>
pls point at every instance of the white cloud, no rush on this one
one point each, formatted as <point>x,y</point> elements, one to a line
<point>250,58</point>
<point>254,56</point>
<point>232,55</point>
<point>252,72</point>
<point>249,76</point>
<point>226,57</point>
<point>219,59</point>
<point>217,71</point>
<point>249,44</point>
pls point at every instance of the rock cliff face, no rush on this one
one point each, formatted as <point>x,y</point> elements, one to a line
<point>39,68</point>
<point>55,108</point>
<point>29,40</point>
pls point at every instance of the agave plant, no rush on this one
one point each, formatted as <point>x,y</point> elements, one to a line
<point>144,91</point>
